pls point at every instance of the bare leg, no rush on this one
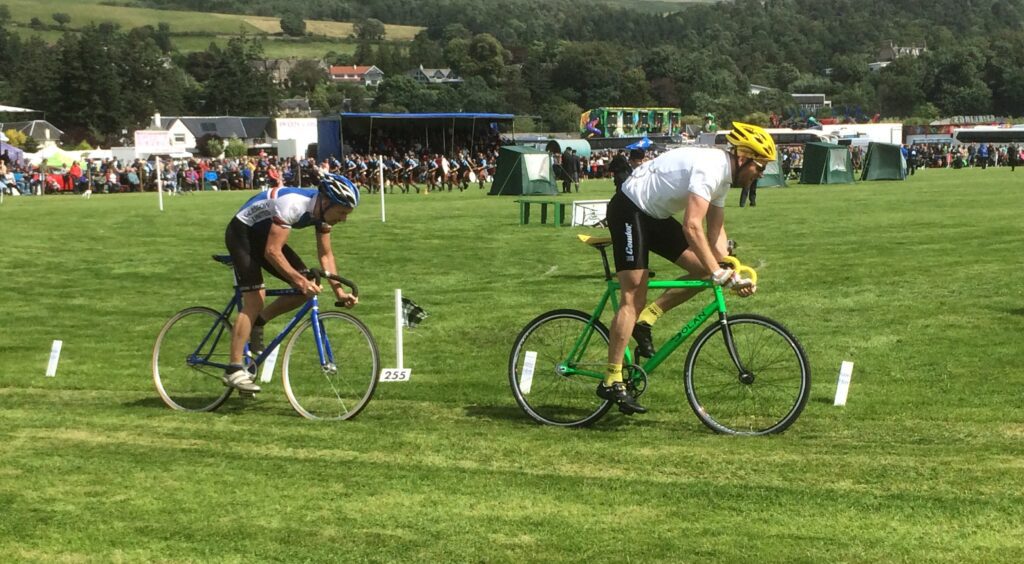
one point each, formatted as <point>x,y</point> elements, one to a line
<point>252,303</point>
<point>695,271</point>
<point>281,305</point>
<point>632,299</point>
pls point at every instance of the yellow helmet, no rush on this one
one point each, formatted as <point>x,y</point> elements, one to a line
<point>752,141</point>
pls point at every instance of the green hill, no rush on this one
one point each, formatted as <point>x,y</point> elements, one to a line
<point>193,31</point>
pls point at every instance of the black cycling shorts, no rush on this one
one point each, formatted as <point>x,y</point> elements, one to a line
<point>635,234</point>
<point>247,246</point>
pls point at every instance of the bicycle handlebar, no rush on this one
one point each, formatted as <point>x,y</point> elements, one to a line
<point>741,269</point>
<point>316,274</point>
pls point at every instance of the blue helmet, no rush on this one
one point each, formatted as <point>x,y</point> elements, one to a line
<point>339,190</point>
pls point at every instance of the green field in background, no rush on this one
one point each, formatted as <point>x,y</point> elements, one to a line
<point>916,282</point>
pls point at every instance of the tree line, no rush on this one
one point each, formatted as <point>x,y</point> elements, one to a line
<point>547,58</point>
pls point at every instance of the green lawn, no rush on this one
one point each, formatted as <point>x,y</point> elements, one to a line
<point>917,283</point>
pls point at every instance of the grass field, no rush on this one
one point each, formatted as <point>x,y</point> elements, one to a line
<point>225,26</point>
<point>917,283</point>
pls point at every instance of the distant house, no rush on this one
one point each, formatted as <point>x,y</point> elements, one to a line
<point>186,130</point>
<point>890,51</point>
<point>811,102</point>
<point>295,107</point>
<point>279,69</point>
<point>756,89</point>
<point>878,65</point>
<point>41,130</point>
<point>355,74</point>
<point>434,76</point>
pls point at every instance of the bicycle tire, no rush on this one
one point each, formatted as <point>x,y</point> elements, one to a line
<point>776,366</point>
<point>183,381</point>
<point>316,392</point>
<point>551,398</point>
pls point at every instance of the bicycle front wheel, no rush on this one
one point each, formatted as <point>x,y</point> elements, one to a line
<point>341,385</point>
<point>536,369</point>
<point>765,394</point>
<point>189,358</point>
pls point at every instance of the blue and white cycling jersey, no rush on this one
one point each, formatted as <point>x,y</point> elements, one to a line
<point>287,207</point>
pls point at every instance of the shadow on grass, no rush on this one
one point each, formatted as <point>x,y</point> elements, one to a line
<point>1018,311</point>
<point>510,413</point>
<point>231,406</point>
<point>611,421</point>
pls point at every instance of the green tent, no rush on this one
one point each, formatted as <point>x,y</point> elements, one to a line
<point>773,175</point>
<point>884,161</point>
<point>522,170</point>
<point>825,163</point>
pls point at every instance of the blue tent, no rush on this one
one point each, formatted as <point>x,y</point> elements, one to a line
<point>644,143</point>
<point>13,152</point>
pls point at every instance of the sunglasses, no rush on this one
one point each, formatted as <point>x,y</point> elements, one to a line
<point>759,165</point>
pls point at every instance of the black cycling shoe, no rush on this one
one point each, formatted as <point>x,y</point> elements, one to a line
<point>617,393</point>
<point>644,342</point>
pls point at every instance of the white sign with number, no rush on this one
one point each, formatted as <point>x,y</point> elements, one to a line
<point>395,375</point>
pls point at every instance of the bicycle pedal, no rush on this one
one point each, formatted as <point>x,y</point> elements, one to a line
<point>246,395</point>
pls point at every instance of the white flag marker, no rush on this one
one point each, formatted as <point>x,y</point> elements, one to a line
<point>843,386</point>
<point>268,366</point>
<point>51,368</point>
<point>529,364</point>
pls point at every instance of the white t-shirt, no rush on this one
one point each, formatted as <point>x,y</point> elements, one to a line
<point>660,187</point>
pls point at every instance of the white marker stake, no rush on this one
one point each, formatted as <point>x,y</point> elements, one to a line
<point>269,365</point>
<point>843,386</point>
<point>51,368</point>
<point>380,185</point>
<point>400,374</point>
<point>529,363</point>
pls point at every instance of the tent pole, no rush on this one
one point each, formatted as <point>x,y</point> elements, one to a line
<point>341,133</point>
<point>472,140</point>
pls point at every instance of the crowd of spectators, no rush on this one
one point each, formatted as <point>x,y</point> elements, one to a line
<point>982,155</point>
<point>407,167</point>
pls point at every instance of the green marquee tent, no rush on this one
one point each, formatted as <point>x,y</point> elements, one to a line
<point>773,175</point>
<point>884,161</point>
<point>522,170</point>
<point>825,163</point>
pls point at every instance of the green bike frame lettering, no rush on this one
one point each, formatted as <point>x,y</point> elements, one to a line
<point>611,292</point>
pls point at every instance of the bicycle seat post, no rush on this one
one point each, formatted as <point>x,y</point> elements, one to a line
<point>604,260</point>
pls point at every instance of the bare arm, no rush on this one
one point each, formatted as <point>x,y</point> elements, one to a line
<point>276,240</point>
<point>326,256</point>
<point>697,209</point>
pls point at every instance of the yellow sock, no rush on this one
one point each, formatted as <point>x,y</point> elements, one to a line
<point>614,374</point>
<point>650,314</point>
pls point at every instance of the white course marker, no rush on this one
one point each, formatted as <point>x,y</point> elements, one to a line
<point>843,385</point>
<point>268,366</point>
<point>51,368</point>
<point>529,363</point>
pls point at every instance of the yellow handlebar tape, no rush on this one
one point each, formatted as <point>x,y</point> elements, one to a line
<point>742,270</point>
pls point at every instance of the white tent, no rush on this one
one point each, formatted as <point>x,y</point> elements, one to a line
<point>14,109</point>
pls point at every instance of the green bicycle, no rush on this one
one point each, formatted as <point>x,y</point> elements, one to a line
<point>744,375</point>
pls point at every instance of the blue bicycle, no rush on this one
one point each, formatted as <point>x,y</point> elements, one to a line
<point>329,365</point>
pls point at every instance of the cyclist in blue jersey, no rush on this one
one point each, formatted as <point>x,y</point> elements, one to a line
<point>257,239</point>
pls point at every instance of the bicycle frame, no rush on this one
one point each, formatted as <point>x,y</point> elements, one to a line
<point>611,292</point>
<point>216,332</point>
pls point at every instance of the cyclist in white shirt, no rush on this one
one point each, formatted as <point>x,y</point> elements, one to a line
<point>694,181</point>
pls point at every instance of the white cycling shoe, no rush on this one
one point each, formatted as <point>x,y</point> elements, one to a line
<point>240,380</point>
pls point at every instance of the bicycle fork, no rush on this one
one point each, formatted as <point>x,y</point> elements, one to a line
<point>743,375</point>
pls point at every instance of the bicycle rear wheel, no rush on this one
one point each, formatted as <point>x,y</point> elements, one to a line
<point>539,385</point>
<point>765,397</point>
<point>341,387</point>
<point>183,360</point>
